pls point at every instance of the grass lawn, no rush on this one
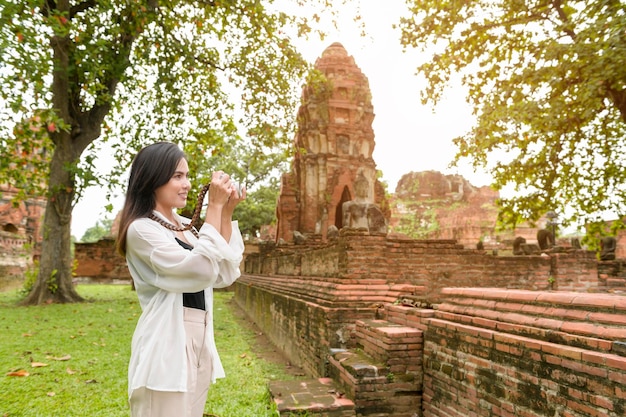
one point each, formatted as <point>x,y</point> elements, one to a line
<point>76,358</point>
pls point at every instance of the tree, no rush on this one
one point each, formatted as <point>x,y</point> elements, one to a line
<point>101,229</point>
<point>547,81</point>
<point>259,209</point>
<point>78,74</point>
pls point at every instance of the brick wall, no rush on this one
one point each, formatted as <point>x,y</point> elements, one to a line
<point>305,319</point>
<point>100,261</point>
<point>612,275</point>
<point>433,264</point>
<point>483,356</point>
<point>15,260</point>
<point>306,298</point>
<point>492,352</point>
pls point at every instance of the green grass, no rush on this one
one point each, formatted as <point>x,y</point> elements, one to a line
<point>96,336</point>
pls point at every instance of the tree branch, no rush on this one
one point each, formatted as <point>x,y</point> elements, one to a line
<point>47,6</point>
<point>91,121</point>
<point>558,6</point>
<point>81,7</point>
<point>618,97</point>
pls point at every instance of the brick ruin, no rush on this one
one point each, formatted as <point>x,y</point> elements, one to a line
<point>379,315</point>
<point>333,151</point>
<point>393,326</point>
<point>432,205</point>
<point>20,236</point>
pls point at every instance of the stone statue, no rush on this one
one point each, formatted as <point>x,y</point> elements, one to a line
<point>376,221</point>
<point>360,213</point>
<point>608,244</point>
<point>545,239</point>
<point>299,238</point>
<point>517,245</point>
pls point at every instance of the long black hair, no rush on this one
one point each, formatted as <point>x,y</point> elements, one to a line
<point>152,167</point>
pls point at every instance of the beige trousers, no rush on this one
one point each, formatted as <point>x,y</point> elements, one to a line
<point>145,402</point>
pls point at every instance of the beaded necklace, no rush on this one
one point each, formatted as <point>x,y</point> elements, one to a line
<point>170,226</point>
<point>194,218</point>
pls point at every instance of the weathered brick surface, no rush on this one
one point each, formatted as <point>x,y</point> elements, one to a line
<point>432,264</point>
<point>383,374</point>
<point>309,317</point>
<point>313,398</point>
<point>505,349</point>
<point>20,236</point>
<point>612,274</point>
<point>99,261</point>
<point>550,362</point>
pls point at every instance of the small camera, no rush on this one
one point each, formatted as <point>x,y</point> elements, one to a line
<point>237,186</point>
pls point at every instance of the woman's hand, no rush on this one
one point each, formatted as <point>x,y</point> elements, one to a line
<point>221,189</point>
<point>235,198</point>
<point>223,198</point>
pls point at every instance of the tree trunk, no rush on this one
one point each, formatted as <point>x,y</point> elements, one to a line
<point>54,281</point>
<point>619,100</point>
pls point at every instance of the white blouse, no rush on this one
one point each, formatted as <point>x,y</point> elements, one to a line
<point>162,271</point>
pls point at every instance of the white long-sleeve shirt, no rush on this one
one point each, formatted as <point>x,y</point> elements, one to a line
<point>162,271</point>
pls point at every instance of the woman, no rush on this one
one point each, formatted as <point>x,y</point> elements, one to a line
<point>173,354</point>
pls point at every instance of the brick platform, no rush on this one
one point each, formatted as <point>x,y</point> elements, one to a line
<point>316,397</point>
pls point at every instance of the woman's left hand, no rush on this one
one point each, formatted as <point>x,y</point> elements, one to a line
<point>235,198</point>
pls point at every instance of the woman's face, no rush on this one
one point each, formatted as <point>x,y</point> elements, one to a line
<point>173,194</point>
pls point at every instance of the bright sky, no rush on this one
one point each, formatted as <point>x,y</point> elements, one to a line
<point>409,136</point>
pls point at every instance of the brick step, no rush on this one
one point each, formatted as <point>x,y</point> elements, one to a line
<point>376,391</point>
<point>390,343</point>
<point>329,291</point>
<point>610,290</point>
<point>616,282</point>
<point>572,319</point>
<point>313,398</point>
<point>614,286</point>
<point>383,375</point>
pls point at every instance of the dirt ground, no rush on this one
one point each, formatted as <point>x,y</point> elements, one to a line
<point>263,347</point>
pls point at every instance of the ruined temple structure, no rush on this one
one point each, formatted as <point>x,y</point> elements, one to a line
<point>432,205</point>
<point>20,221</point>
<point>334,147</point>
<point>20,235</point>
<point>427,328</point>
<point>386,324</point>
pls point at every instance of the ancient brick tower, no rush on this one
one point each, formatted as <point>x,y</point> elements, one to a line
<point>334,146</point>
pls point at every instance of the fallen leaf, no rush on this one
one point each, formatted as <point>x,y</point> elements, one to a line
<point>62,358</point>
<point>243,355</point>
<point>26,335</point>
<point>21,372</point>
<point>51,394</point>
<point>90,381</point>
<point>70,371</point>
<point>38,364</point>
